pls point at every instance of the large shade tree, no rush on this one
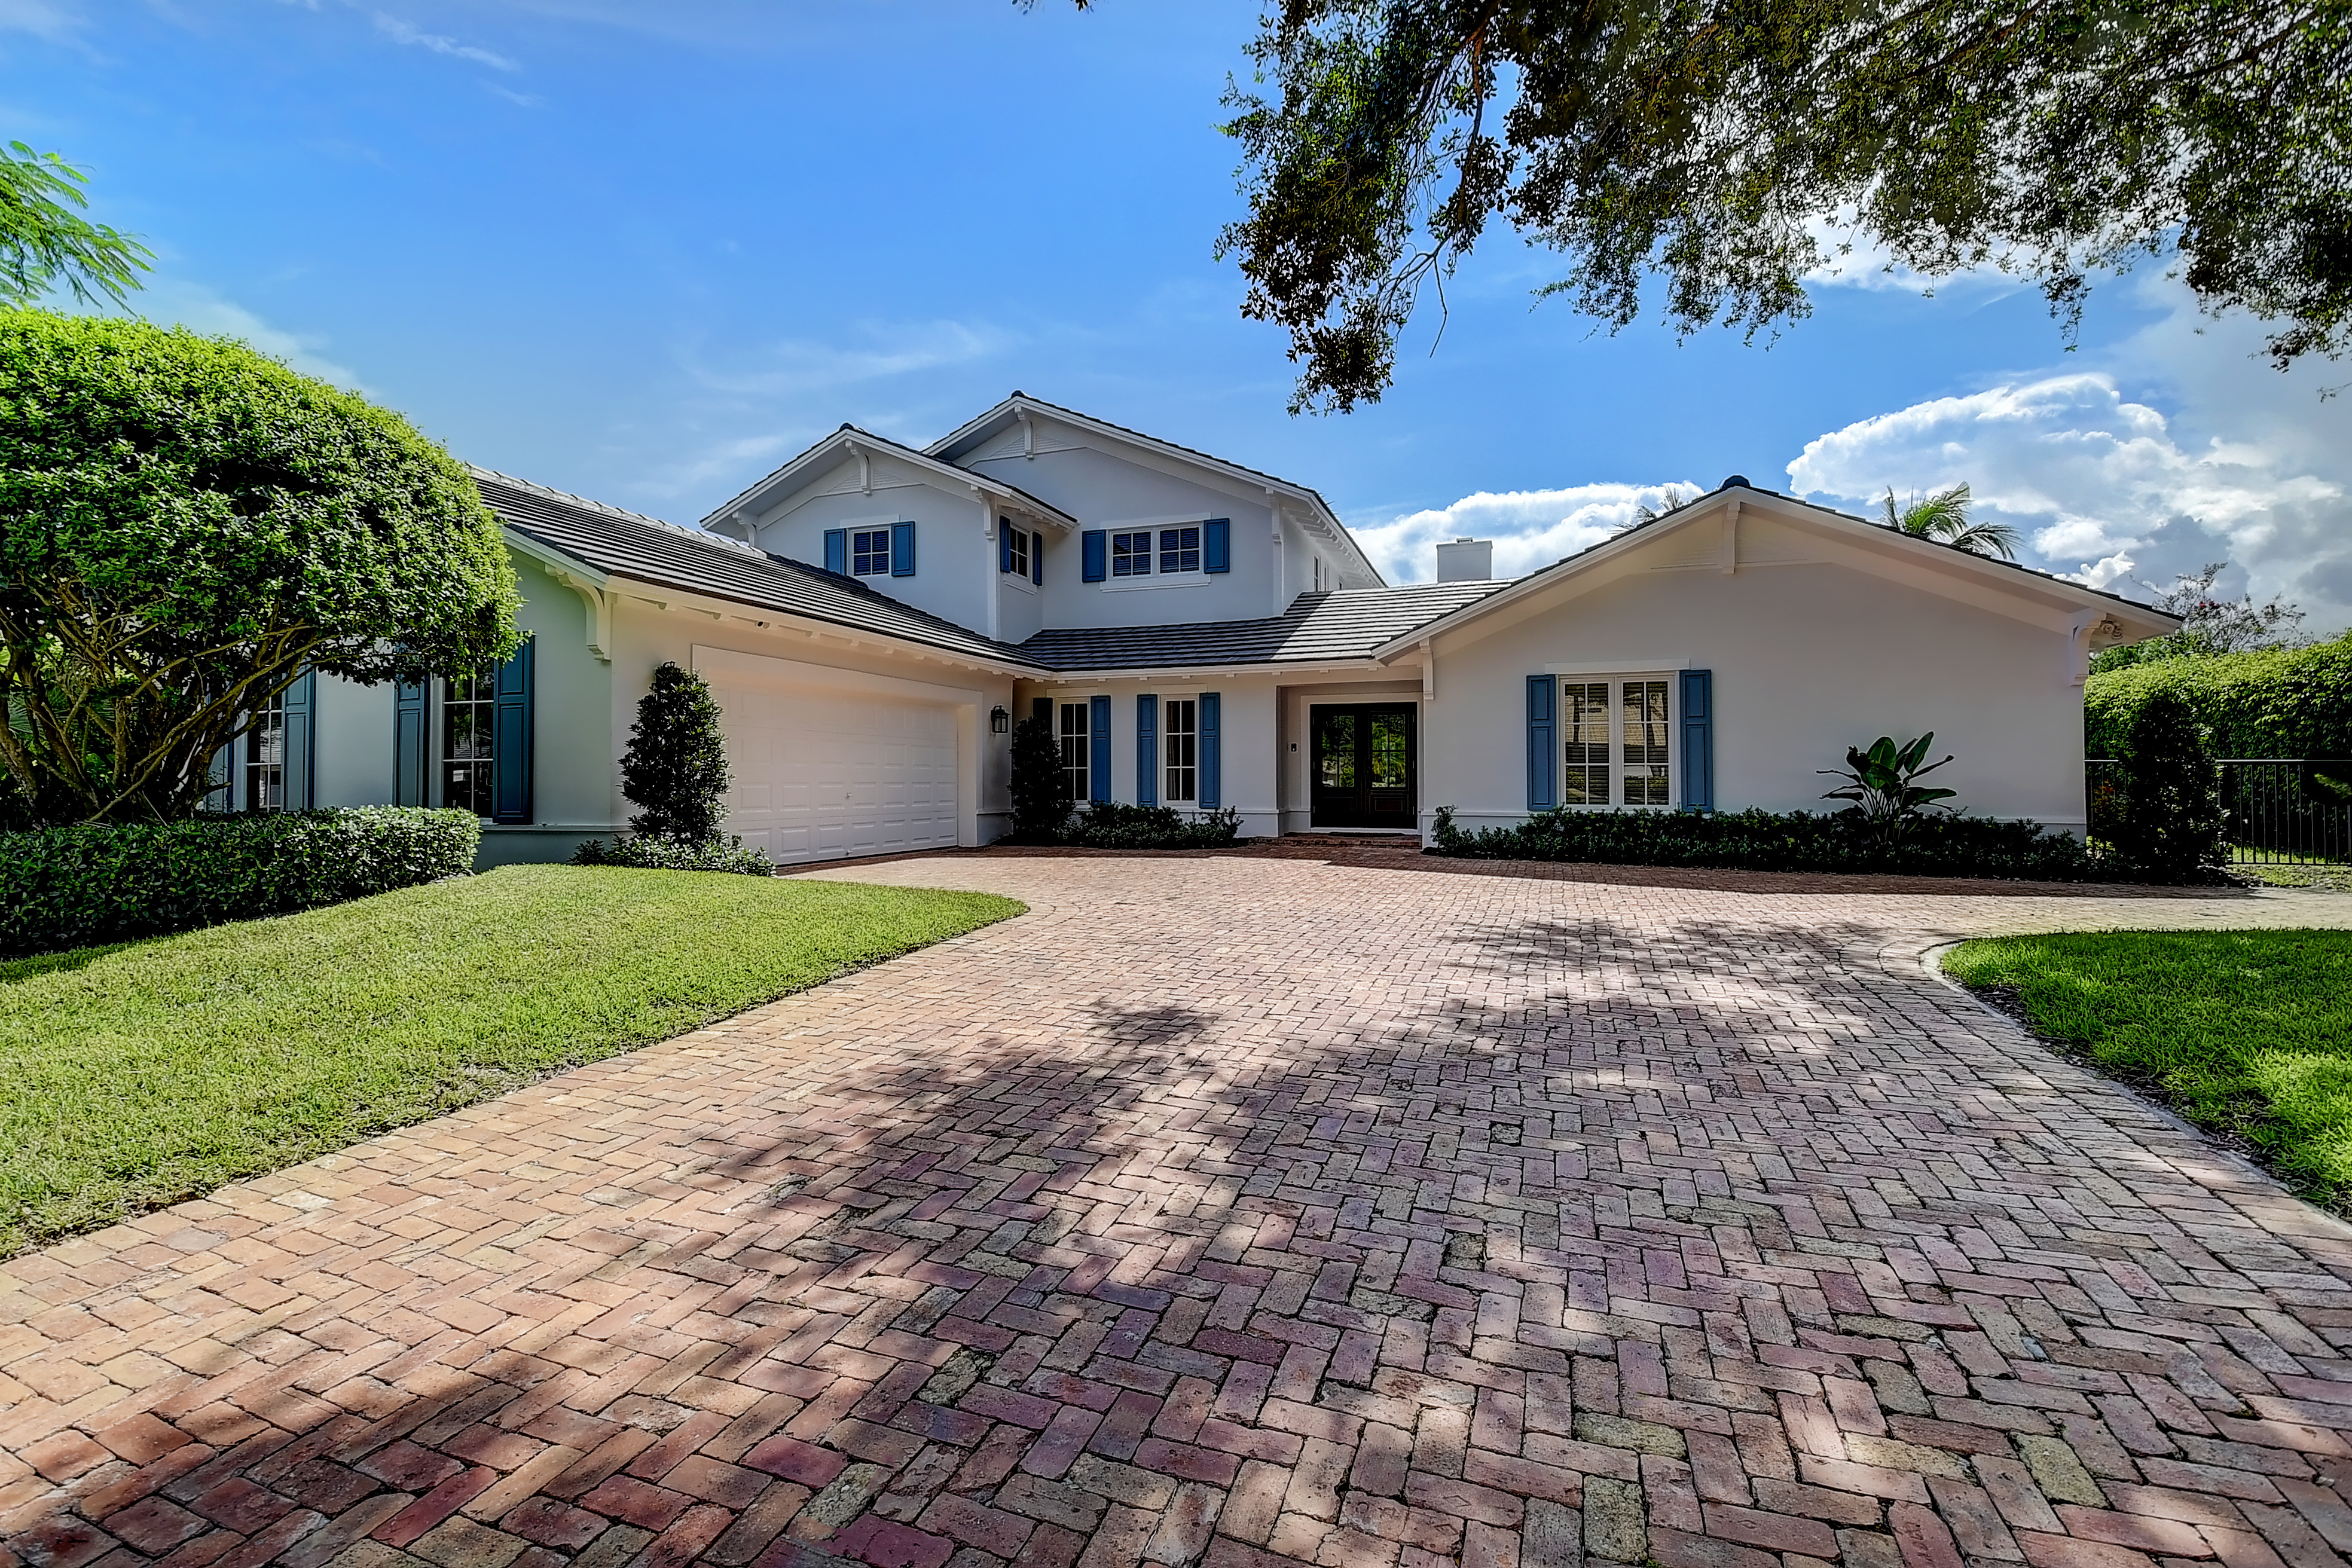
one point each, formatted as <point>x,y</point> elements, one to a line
<point>1710,154</point>
<point>186,525</point>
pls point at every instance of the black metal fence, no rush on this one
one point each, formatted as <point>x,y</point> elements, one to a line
<point>2282,810</point>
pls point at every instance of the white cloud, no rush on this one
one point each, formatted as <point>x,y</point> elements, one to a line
<point>2109,489</point>
<point>203,310</point>
<point>794,367</point>
<point>42,18</point>
<point>1530,528</point>
<point>401,32</point>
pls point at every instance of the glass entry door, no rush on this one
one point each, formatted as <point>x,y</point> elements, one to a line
<point>1363,765</point>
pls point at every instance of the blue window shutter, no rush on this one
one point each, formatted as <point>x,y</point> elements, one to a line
<point>1147,750</point>
<point>408,744</point>
<point>1217,545</point>
<point>1041,710</point>
<point>1037,558</point>
<point>1543,757</point>
<point>1699,740</point>
<point>510,735</point>
<point>301,742</point>
<point>836,551</point>
<point>1003,545</point>
<point>902,549</point>
<point>1096,547</point>
<point>1210,782</point>
<point>1098,747</point>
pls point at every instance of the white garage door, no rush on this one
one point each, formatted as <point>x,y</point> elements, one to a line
<point>819,775</point>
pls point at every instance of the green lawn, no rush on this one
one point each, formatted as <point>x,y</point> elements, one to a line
<point>138,1075</point>
<point>2244,1032</point>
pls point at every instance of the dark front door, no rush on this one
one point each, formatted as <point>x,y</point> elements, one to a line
<point>1363,765</point>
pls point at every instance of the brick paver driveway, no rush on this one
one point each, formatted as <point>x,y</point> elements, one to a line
<point>1241,1211</point>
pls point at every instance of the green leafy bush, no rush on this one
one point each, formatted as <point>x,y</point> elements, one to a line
<point>1767,841</point>
<point>2275,702</point>
<point>2171,827</point>
<point>1108,825</point>
<point>75,886</point>
<point>1040,810</point>
<point>676,766</point>
<point>658,851</point>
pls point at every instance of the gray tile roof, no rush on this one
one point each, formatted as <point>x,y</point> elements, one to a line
<point>647,550</point>
<point>1318,628</point>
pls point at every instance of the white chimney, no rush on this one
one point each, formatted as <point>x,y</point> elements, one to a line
<point>1467,560</point>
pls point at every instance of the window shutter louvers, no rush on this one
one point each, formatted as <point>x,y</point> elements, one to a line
<point>1147,750</point>
<point>902,549</point>
<point>1099,748</point>
<point>1699,740</point>
<point>1543,756</point>
<point>408,744</point>
<point>1097,544</point>
<point>836,551</point>
<point>510,738</point>
<point>1037,558</point>
<point>1217,545</point>
<point>300,742</point>
<point>1211,785</point>
<point>1003,545</point>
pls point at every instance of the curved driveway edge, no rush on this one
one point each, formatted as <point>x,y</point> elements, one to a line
<point>1243,1210</point>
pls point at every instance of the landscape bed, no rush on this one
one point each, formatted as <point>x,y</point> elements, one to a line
<point>2247,1034</point>
<point>138,1075</point>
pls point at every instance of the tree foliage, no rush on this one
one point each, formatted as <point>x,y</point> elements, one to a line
<point>2209,626</point>
<point>1728,148</point>
<point>2271,701</point>
<point>44,240</point>
<point>676,766</point>
<point>2172,825</point>
<point>1040,810</point>
<point>1944,518</point>
<point>186,525</point>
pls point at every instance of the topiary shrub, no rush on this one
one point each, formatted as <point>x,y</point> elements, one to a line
<point>661,853</point>
<point>676,766</point>
<point>73,886</point>
<point>1108,825</point>
<point>2171,827</point>
<point>1040,811</point>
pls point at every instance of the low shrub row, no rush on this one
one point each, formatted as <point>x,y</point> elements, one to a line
<point>1791,840</point>
<point>2273,702</point>
<point>662,851</point>
<point>73,886</point>
<point>1108,825</point>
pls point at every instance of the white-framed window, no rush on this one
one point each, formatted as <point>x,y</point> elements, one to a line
<point>1617,740</point>
<point>264,759</point>
<point>1077,747</point>
<point>468,727</point>
<point>1016,555</point>
<point>1131,554</point>
<point>1180,750</point>
<point>869,552</point>
<point>1179,550</point>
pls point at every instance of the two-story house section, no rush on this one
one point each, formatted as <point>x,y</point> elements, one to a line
<point>875,617</point>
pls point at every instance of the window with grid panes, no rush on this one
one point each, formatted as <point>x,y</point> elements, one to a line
<point>264,759</point>
<point>1584,723</point>
<point>869,552</point>
<point>1180,549</point>
<point>1617,741</point>
<point>1077,748</point>
<point>1180,720</point>
<point>1016,560</point>
<point>1131,554</point>
<point>468,722</point>
<point>1643,737</point>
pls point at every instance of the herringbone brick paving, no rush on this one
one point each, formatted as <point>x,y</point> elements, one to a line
<point>1242,1212</point>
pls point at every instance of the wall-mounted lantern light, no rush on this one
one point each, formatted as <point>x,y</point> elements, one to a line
<point>999,721</point>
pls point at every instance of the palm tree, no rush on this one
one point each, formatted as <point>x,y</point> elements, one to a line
<point>1672,499</point>
<point>1944,518</point>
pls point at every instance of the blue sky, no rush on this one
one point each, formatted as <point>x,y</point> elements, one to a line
<point>644,251</point>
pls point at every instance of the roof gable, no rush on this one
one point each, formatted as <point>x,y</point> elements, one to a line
<point>851,444</point>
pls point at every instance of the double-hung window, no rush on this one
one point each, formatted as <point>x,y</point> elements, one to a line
<point>264,759</point>
<point>1016,549</point>
<point>1180,549</point>
<point>1076,750</point>
<point>1616,741</point>
<point>1131,554</point>
<point>1179,720</point>
<point>869,552</point>
<point>468,730</point>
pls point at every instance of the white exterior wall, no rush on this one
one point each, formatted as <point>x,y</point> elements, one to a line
<point>1297,759</point>
<point>1808,657</point>
<point>955,546</point>
<point>1247,724</point>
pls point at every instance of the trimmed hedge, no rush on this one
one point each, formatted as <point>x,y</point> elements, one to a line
<point>1108,825</point>
<point>662,851</point>
<point>2278,702</point>
<point>73,888</point>
<point>1765,841</point>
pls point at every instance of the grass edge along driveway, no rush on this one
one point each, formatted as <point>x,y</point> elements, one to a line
<point>139,1075</point>
<point>2245,1033</point>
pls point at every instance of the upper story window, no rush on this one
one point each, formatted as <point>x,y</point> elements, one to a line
<point>468,722</point>
<point>1015,556</point>
<point>1180,549</point>
<point>1617,740</point>
<point>1131,554</point>
<point>869,552</point>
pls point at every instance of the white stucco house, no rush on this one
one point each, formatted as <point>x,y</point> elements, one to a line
<point>872,617</point>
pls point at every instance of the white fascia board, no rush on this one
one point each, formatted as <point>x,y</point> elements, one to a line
<point>663,597</point>
<point>780,485</point>
<point>1196,672</point>
<point>554,560</point>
